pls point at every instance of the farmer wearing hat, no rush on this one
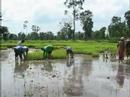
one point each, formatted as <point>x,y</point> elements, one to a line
<point>21,50</point>
<point>128,47</point>
<point>69,51</point>
<point>121,49</point>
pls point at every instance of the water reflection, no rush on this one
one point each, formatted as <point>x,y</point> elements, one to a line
<point>87,68</point>
<point>4,55</point>
<point>120,75</point>
<point>69,61</point>
<point>113,58</point>
<point>73,84</point>
<point>105,56</point>
<point>48,66</point>
<point>20,67</point>
<point>81,76</point>
<point>108,57</point>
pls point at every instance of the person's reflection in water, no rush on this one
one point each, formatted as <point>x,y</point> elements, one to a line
<point>87,68</point>
<point>105,56</point>
<point>73,84</point>
<point>113,57</point>
<point>20,67</point>
<point>120,75</point>
<point>69,61</point>
<point>48,65</point>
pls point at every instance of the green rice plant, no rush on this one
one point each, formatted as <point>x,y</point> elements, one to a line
<point>59,54</point>
<point>38,54</point>
<point>91,47</point>
<point>35,55</point>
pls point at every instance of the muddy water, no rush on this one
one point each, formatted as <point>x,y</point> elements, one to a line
<point>78,77</point>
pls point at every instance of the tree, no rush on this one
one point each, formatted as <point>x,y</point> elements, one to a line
<point>34,36</point>
<point>28,36</point>
<point>67,31</point>
<point>25,26</point>
<point>99,34</point>
<point>87,23</point>
<point>4,32</point>
<point>50,35</point>
<point>42,36</point>
<point>79,35</point>
<point>117,28</point>
<point>116,20</point>
<point>127,17</point>
<point>35,28</point>
<point>12,36</point>
<point>21,36</point>
<point>96,34</point>
<point>102,32</point>
<point>76,6</point>
<point>61,35</point>
<point>0,18</point>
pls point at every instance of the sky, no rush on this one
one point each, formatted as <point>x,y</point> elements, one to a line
<point>48,14</point>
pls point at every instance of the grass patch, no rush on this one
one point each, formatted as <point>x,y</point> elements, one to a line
<point>90,47</point>
<point>38,54</point>
<point>3,47</point>
<point>35,55</point>
<point>59,54</point>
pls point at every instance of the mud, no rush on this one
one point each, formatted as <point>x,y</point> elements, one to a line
<point>82,76</point>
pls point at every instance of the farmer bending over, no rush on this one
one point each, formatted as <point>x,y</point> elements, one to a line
<point>20,50</point>
<point>47,51</point>
<point>69,51</point>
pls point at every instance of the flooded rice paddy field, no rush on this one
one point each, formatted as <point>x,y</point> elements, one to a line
<point>82,76</point>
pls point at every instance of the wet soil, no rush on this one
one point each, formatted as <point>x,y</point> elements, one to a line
<point>82,76</point>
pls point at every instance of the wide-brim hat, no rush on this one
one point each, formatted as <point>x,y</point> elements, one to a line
<point>122,38</point>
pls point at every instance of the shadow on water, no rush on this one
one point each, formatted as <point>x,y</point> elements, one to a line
<point>81,76</point>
